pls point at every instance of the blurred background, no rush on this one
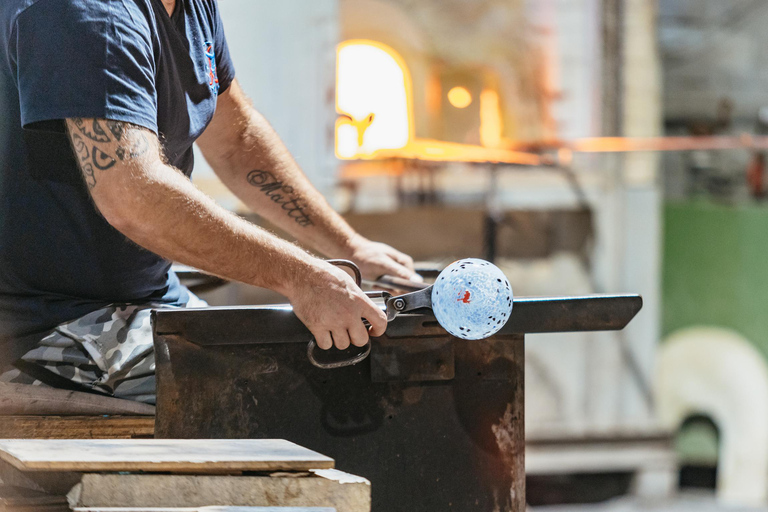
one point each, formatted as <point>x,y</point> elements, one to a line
<point>584,146</point>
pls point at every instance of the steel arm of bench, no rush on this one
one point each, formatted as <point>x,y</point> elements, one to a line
<point>244,325</point>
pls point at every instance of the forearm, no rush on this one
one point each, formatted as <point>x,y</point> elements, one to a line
<point>163,212</point>
<point>158,208</point>
<point>258,168</point>
<point>250,159</point>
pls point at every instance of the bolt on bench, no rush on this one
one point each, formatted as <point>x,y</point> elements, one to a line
<point>434,422</point>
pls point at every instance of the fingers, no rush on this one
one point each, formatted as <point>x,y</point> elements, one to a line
<point>376,318</point>
<point>396,270</point>
<point>334,310</point>
<point>358,334</point>
<point>324,340</point>
<point>403,266</point>
<point>402,259</point>
<point>340,338</point>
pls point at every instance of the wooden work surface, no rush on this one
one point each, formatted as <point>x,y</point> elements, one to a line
<point>209,509</point>
<point>155,455</point>
<point>77,427</point>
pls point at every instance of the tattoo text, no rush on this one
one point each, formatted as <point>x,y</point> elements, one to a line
<point>281,194</point>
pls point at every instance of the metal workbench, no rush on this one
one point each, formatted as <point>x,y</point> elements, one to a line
<point>436,423</point>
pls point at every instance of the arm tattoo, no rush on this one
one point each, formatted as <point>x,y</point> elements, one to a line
<point>118,139</point>
<point>135,148</point>
<point>116,128</point>
<point>80,148</point>
<point>95,131</point>
<point>101,160</point>
<point>281,194</point>
<point>90,177</point>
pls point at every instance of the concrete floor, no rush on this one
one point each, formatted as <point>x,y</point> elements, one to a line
<point>684,502</point>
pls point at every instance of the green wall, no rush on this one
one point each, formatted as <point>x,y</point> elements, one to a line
<point>715,268</point>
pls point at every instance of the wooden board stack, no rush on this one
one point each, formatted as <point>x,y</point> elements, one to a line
<point>187,475</point>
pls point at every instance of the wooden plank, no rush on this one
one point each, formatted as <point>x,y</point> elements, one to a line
<point>12,497</point>
<point>23,399</point>
<point>208,509</point>
<point>77,427</point>
<point>326,488</point>
<point>35,508</point>
<point>55,484</point>
<point>425,239</point>
<point>155,455</point>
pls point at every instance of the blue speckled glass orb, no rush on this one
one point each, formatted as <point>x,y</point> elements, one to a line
<point>472,299</point>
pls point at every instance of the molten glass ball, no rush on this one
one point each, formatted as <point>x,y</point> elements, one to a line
<point>472,299</point>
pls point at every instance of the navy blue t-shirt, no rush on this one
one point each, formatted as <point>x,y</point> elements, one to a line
<point>125,60</point>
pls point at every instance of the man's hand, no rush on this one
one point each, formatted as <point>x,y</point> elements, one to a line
<point>376,259</point>
<point>332,307</point>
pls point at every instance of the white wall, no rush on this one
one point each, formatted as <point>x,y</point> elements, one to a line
<point>624,193</point>
<point>577,110</point>
<point>713,50</point>
<point>285,59</point>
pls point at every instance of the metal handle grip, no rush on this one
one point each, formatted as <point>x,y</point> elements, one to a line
<point>336,364</point>
<point>312,346</point>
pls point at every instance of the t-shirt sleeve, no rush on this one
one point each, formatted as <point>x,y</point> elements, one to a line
<point>225,68</point>
<point>79,58</point>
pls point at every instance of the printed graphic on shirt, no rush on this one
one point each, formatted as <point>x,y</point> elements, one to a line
<point>210,57</point>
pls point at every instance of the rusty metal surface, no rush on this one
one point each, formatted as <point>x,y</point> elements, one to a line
<point>436,423</point>
<point>417,360</point>
<point>277,324</point>
<point>427,445</point>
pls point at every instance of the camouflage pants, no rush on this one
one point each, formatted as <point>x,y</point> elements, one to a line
<point>108,351</point>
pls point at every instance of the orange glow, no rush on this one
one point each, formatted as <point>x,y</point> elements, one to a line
<point>459,97</point>
<point>373,99</point>
<point>564,157</point>
<point>440,151</point>
<point>490,119</point>
<point>373,94</point>
<point>638,144</point>
<point>622,144</point>
<point>434,94</point>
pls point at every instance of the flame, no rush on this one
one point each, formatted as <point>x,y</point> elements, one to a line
<point>374,102</point>
<point>373,99</point>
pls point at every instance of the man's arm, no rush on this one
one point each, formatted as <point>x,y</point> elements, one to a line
<point>158,208</point>
<point>248,156</point>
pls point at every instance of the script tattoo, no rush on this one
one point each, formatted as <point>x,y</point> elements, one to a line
<point>117,141</point>
<point>281,194</point>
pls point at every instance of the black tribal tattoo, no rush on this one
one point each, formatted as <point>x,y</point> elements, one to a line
<point>101,160</point>
<point>95,131</point>
<point>281,194</point>
<point>118,137</point>
<point>80,148</point>
<point>116,128</point>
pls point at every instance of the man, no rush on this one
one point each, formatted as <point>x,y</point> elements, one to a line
<point>102,101</point>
